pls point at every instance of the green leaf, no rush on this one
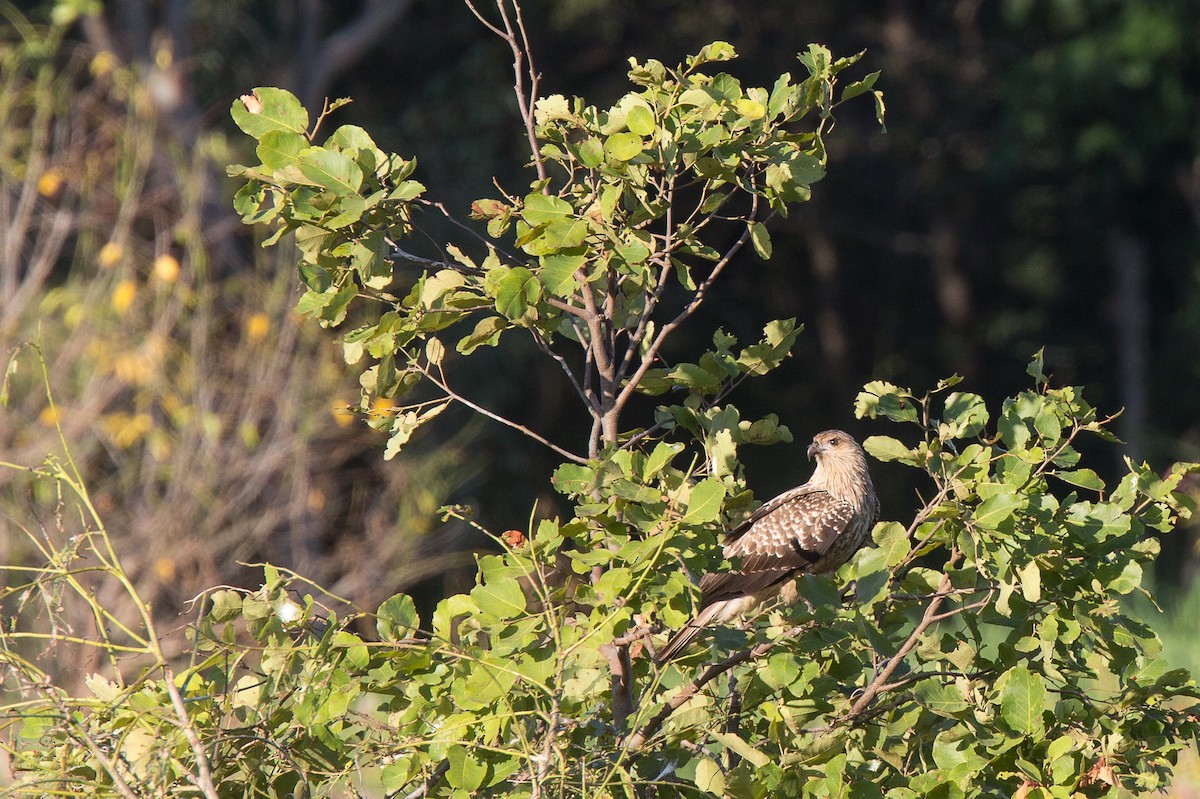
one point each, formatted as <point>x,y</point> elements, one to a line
<point>892,540</point>
<point>1129,578</point>
<point>280,148</point>
<point>750,109</point>
<point>623,146</point>
<point>267,109</point>
<point>1031,581</point>
<point>486,334</point>
<point>662,454</point>
<point>503,598</point>
<point>541,209</point>
<point>994,511</point>
<point>944,699</point>
<point>886,448</point>
<point>860,87</point>
<point>591,153</point>
<point>761,240</point>
<point>1084,478</point>
<point>465,772</point>
<point>397,618</point>
<point>739,746</point>
<point>331,170</point>
<point>1022,701</point>
<point>516,292</point>
<point>640,121</point>
<point>704,501</point>
<point>708,777</point>
<point>965,415</point>
<point>558,273</point>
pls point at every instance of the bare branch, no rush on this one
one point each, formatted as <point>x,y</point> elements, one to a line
<point>571,456</point>
<point>518,41</point>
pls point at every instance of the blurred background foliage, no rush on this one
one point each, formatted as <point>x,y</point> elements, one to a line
<point>1038,184</point>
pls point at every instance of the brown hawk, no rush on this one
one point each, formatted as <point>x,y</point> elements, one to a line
<point>812,529</point>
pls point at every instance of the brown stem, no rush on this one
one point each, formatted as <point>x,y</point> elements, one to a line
<point>639,738</point>
<point>929,618</point>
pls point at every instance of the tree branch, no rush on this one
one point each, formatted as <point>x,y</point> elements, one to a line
<point>929,618</point>
<point>639,738</point>
<point>520,428</point>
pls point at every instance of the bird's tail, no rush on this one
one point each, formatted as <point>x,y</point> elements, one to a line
<point>677,643</point>
<point>685,636</point>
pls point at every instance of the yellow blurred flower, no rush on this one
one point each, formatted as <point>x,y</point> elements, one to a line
<point>49,183</point>
<point>381,407</point>
<point>102,63</point>
<point>49,416</point>
<point>341,412</point>
<point>164,569</point>
<point>128,429</point>
<point>109,254</point>
<point>257,326</point>
<point>122,296</point>
<point>166,268</point>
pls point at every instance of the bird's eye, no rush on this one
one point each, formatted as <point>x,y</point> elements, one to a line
<point>833,442</point>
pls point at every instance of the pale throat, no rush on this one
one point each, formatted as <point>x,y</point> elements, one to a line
<point>846,480</point>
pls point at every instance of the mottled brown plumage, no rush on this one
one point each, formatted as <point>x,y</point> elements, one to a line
<point>812,529</point>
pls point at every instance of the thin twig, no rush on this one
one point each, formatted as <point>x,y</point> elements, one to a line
<point>424,788</point>
<point>571,456</point>
<point>639,738</point>
<point>203,777</point>
<point>697,300</point>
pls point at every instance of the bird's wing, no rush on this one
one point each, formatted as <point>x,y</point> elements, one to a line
<point>790,532</point>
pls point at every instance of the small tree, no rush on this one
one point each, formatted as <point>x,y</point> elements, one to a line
<point>978,649</point>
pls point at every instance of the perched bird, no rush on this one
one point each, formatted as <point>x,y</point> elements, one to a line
<point>812,529</point>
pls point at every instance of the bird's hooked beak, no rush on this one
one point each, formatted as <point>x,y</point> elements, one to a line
<point>816,448</point>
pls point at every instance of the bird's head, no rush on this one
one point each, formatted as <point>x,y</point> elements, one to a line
<point>833,443</point>
<point>841,463</point>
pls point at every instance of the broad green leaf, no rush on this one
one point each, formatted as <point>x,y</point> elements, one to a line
<point>465,772</point>
<point>397,618</point>
<point>503,598</point>
<point>944,699</point>
<point>761,240</point>
<point>332,170</point>
<point>1129,578</point>
<point>709,777</point>
<point>267,109</point>
<point>704,501</point>
<point>738,745</point>
<point>660,457</point>
<point>591,153</point>
<point>558,273</point>
<point>280,148</point>
<point>623,146</point>
<point>1031,581</point>
<point>1084,478</point>
<point>860,87</point>
<point>886,448</point>
<point>640,121</point>
<point>542,209</point>
<point>994,511</point>
<point>486,334</point>
<point>1022,701</point>
<point>965,415</point>
<point>750,109</point>
<point>516,292</point>
<point>892,540</point>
